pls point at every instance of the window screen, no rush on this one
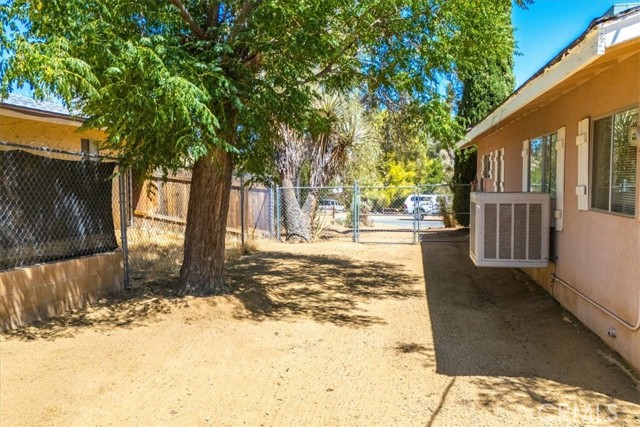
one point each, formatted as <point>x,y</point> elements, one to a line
<point>542,164</point>
<point>614,164</point>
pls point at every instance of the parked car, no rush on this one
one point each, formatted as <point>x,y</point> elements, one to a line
<point>423,204</point>
<point>330,205</point>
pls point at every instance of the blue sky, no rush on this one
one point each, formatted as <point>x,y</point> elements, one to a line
<point>548,26</point>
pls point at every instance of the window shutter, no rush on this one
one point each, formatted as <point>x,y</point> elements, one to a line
<point>496,170</point>
<point>525,165</point>
<point>559,212</point>
<point>491,157</point>
<point>582,141</point>
<point>500,170</point>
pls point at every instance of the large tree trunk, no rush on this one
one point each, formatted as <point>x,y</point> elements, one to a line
<point>297,220</point>
<point>202,271</point>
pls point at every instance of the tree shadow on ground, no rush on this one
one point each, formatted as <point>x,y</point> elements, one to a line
<point>132,308</point>
<point>327,289</point>
<point>268,285</point>
<point>525,350</point>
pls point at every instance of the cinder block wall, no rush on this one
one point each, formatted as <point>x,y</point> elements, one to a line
<point>47,290</point>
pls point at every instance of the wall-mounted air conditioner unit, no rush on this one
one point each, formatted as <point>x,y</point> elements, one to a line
<point>510,229</point>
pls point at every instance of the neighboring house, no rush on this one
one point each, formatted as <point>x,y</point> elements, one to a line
<point>30,288</point>
<point>44,123</point>
<point>572,131</point>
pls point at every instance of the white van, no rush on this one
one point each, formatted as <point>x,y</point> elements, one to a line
<point>425,204</point>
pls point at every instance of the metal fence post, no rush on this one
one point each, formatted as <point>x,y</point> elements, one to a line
<point>358,200</point>
<point>123,229</point>
<point>242,214</point>
<point>129,203</point>
<point>355,213</point>
<point>271,213</point>
<point>416,214</point>
<point>278,212</point>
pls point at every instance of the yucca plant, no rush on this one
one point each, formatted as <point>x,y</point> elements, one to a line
<point>341,124</point>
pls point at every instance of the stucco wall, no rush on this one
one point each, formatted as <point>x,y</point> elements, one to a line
<point>20,128</point>
<point>46,290</point>
<point>598,253</point>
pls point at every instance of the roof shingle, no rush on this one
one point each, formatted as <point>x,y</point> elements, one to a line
<point>20,101</point>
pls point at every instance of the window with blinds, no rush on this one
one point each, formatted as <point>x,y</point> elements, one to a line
<point>614,164</point>
<point>542,164</point>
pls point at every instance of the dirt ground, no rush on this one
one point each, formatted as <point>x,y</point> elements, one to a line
<point>326,334</point>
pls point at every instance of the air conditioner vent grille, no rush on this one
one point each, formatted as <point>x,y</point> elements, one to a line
<point>510,229</point>
<point>535,231</point>
<point>505,231</point>
<point>490,230</point>
<point>520,231</point>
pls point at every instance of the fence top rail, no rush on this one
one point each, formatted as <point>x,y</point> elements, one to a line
<point>55,151</point>
<point>317,188</point>
<point>444,185</point>
<point>384,187</point>
<point>377,187</point>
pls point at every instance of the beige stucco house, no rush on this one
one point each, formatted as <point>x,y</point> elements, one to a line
<point>41,123</point>
<point>572,131</point>
<point>42,290</point>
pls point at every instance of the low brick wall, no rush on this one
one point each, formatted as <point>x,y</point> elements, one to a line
<point>47,290</point>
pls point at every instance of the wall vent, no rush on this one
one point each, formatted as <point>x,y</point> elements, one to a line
<point>510,229</point>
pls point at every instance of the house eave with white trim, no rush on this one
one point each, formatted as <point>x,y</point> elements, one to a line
<point>564,72</point>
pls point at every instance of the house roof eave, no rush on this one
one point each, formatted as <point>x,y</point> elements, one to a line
<point>601,34</point>
<point>46,111</point>
<point>40,116</point>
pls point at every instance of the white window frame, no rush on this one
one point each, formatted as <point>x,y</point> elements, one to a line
<point>525,166</point>
<point>558,213</point>
<point>590,145</point>
<point>526,160</point>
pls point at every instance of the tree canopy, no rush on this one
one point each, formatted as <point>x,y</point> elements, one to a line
<point>161,75</point>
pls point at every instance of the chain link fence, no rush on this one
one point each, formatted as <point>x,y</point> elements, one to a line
<point>158,215</point>
<point>55,205</point>
<point>370,214</point>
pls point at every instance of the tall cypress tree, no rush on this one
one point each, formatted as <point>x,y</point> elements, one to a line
<point>483,90</point>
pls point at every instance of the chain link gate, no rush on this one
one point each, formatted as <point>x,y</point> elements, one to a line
<point>383,215</point>
<point>370,214</point>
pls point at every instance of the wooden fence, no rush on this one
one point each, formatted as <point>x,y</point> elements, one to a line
<point>167,201</point>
